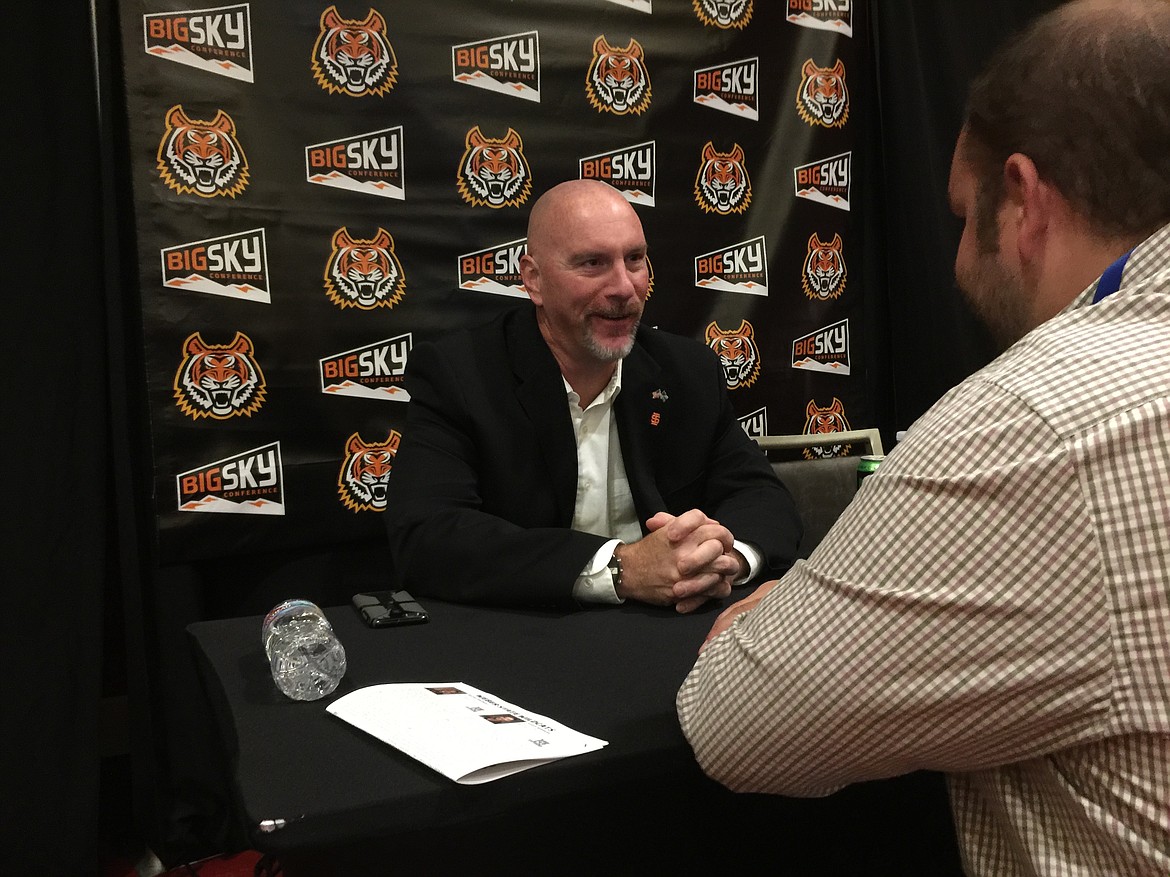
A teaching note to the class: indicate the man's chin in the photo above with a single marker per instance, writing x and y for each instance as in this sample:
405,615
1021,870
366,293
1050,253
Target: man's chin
611,349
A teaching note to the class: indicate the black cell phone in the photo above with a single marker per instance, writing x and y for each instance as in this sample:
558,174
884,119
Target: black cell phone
388,608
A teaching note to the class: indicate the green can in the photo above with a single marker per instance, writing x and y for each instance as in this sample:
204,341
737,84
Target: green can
867,465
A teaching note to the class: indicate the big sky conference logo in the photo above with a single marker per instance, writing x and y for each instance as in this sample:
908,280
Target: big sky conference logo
508,65
370,163
741,267
249,483
201,157
756,423
354,56
234,265
631,171
831,15
215,40
826,181
495,269
375,371
825,350
731,87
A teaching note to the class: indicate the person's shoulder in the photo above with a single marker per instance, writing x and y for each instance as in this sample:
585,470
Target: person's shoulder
477,329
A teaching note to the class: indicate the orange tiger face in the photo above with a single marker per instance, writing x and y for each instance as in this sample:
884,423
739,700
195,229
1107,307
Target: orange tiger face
823,420
824,269
364,273
354,57
219,380
494,173
724,13
737,352
618,81
203,158
722,185
823,98
365,473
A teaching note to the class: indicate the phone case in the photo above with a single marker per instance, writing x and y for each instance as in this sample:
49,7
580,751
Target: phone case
388,608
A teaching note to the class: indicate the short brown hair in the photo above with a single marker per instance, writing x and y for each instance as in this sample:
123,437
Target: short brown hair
1084,92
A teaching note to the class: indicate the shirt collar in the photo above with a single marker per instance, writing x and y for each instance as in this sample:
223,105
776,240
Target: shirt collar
1144,259
606,396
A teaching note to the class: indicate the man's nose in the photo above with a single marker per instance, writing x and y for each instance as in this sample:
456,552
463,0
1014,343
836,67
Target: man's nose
625,282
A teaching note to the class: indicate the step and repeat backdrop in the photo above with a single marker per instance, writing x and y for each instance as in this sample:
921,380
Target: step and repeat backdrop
319,186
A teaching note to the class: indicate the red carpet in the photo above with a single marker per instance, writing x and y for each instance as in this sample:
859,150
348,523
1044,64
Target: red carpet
238,865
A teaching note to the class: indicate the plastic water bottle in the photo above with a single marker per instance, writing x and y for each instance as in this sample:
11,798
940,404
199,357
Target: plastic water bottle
306,657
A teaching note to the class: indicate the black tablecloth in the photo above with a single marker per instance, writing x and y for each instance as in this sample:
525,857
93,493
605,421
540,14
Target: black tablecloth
610,673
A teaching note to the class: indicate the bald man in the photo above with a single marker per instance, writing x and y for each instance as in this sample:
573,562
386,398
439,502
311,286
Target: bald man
564,455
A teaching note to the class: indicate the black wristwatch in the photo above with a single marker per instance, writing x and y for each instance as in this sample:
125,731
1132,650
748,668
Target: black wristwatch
615,569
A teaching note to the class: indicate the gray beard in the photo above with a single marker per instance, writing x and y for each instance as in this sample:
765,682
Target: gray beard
608,354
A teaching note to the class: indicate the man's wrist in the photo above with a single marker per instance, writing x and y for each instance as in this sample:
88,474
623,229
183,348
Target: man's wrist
615,568
753,561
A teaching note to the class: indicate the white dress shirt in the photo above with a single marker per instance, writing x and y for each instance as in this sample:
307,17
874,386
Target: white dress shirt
604,503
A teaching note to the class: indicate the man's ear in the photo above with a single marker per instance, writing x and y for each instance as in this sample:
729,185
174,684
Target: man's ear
530,277
1031,202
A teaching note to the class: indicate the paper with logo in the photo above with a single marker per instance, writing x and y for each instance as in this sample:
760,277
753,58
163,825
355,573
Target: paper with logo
465,734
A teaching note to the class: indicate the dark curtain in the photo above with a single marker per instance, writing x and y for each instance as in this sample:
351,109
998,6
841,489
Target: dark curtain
57,472
927,51
86,614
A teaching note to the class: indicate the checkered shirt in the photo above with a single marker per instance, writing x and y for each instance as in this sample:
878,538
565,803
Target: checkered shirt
994,604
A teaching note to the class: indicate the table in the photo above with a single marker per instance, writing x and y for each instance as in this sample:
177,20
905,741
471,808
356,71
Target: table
357,805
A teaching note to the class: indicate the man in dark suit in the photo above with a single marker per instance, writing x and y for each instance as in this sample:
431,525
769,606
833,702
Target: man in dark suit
564,455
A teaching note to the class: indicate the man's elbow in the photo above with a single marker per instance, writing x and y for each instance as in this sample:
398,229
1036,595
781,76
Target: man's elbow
772,779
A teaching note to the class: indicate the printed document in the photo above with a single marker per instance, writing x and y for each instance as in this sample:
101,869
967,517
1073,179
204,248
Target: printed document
465,734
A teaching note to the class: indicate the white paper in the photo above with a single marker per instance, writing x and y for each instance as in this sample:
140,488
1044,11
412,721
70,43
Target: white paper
465,734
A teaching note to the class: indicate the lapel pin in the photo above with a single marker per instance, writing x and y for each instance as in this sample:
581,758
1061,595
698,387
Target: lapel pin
660,395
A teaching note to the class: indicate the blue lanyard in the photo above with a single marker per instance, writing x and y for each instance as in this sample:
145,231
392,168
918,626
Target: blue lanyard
1111,279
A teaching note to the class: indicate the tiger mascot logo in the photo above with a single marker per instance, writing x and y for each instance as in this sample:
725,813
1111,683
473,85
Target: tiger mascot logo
822,98
617,81
365,472
724,14
202,158
722,184
219,380
494,173
824,272
822,420
364,273
354,57
738,353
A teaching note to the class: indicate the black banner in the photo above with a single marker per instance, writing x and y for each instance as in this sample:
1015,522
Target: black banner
319,187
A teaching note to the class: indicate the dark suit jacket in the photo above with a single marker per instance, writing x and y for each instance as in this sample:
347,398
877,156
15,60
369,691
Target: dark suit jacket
483,486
